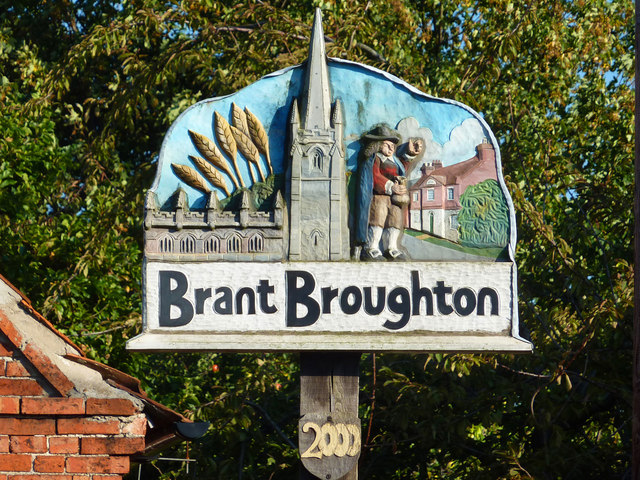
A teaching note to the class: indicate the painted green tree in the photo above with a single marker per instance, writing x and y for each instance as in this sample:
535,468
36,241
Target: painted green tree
484,216
88,90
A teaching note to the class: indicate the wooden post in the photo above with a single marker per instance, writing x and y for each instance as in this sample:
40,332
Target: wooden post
329,434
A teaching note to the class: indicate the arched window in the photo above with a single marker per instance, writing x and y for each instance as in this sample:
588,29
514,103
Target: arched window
165,244
256,243
234,243
212,245
188,244
316,237
317,158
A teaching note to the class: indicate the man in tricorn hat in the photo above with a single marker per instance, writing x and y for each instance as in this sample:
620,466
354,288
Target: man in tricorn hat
382,195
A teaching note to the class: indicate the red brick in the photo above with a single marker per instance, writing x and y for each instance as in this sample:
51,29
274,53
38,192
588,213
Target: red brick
112,445
5,350
9,405
110,406
27,426
52,406
97,465
28,444
20,386
16,369
49,463
15,463
9,330
4,444
137,426
3,364
41,477
88,426
48,369
64,445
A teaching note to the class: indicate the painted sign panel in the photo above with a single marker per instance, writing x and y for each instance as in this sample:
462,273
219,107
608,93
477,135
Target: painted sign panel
338,190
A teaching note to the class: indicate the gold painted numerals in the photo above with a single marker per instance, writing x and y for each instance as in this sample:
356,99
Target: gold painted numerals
337,439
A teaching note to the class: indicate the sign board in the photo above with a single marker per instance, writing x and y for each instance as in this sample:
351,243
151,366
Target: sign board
329,206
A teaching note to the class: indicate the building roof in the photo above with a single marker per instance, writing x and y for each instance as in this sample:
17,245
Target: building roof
66,370
448,175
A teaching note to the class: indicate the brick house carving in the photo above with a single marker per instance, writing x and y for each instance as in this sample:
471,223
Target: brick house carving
62,415
435,197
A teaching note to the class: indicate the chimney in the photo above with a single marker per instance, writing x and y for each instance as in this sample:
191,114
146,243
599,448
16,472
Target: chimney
486,152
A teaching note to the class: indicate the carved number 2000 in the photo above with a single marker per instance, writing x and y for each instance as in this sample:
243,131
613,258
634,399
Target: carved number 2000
339,440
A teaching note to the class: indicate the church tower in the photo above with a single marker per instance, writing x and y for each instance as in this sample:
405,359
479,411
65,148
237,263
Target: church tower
317,182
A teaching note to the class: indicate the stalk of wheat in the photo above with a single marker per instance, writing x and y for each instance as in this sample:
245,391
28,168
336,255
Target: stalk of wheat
209,150
210,173
259,136
248,149
190,177
239,119
227,142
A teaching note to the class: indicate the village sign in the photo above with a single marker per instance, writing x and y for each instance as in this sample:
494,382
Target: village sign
329,206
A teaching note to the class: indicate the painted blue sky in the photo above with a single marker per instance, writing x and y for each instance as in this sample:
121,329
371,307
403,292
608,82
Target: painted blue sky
369,97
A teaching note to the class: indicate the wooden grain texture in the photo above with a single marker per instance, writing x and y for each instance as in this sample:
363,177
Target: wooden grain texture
329,391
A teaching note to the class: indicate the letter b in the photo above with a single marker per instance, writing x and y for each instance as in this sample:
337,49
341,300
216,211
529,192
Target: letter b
301,295
169,297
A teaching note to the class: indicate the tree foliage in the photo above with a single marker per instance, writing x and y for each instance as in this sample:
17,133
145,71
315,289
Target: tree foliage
88,90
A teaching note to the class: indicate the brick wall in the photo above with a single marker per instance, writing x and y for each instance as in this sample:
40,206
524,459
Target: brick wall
47,435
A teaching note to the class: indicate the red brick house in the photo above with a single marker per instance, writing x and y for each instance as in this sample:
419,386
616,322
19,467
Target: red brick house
435,197
62,415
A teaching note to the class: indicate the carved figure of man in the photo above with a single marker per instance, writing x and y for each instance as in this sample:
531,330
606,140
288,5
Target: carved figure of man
382,197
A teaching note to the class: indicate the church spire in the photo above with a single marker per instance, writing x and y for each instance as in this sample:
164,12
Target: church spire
316,95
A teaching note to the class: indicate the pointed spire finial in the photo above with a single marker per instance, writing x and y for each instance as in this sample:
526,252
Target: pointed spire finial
316,96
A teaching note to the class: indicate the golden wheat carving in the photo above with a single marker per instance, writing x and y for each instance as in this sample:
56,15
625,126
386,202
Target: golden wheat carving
190,177
227,142
248,149
209,151
210,173
259,136
239,119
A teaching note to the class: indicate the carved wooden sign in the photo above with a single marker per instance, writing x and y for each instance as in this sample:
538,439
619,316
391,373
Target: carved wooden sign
329,206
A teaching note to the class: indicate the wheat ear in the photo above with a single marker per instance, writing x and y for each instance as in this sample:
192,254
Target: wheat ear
248,149
190,177
227,142
210,173
209,150
239,119
259,136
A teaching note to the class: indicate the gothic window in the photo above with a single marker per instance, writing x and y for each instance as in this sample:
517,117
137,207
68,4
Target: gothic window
212,245
316,237
316,158
256,243
165,244
188,244
234,243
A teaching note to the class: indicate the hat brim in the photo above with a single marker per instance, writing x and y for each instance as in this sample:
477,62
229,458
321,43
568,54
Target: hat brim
382,138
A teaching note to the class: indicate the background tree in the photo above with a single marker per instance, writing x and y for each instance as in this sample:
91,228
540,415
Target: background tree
88,90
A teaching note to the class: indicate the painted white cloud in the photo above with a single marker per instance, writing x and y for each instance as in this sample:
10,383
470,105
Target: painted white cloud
462,142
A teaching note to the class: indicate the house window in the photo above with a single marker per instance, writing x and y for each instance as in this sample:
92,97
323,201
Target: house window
256,243
430,193
454,222
234,244
166,244
188,244
212,245
415,196
450,193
